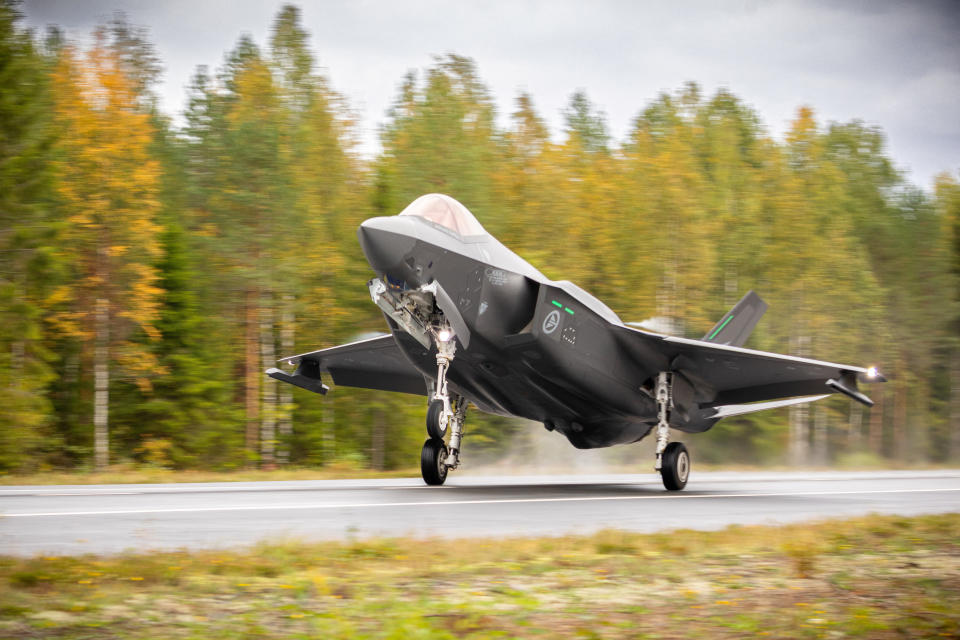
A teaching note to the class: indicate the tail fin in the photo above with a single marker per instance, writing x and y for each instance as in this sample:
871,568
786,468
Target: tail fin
736,326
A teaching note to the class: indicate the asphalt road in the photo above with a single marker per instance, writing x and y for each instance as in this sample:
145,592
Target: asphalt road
112,518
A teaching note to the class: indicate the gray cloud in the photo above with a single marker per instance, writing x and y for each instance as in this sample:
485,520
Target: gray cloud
893,64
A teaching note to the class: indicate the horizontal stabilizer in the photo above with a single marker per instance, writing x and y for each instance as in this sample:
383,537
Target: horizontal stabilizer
736,326
728,410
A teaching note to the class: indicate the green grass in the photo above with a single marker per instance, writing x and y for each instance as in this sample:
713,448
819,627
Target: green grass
871,577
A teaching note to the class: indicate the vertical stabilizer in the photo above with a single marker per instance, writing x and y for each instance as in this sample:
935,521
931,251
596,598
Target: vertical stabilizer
736,326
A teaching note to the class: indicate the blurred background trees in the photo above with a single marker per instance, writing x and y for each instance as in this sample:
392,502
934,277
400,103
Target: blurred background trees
150,272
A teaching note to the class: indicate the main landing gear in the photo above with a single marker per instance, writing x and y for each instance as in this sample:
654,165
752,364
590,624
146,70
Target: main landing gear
673,461
447,412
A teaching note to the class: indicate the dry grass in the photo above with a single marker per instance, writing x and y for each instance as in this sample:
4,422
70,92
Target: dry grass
121,474
872,577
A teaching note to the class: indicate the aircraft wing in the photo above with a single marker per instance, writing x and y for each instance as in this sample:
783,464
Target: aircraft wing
724,375
374,363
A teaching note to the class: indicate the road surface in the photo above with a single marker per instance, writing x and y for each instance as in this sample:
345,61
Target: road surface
112,518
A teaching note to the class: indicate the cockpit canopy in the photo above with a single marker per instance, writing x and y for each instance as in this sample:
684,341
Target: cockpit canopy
446,212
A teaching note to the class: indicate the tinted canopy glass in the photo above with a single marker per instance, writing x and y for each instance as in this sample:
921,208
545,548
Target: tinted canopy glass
446,212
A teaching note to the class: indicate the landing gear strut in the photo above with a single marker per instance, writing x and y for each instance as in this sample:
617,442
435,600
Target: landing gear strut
673,461
447,411
441,410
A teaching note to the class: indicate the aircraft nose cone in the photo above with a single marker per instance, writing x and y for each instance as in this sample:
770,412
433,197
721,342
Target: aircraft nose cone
386,246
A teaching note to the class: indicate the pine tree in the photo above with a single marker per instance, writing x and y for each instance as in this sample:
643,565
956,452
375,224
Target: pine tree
441,137
948,206
668,190
527,193
185,420
27,266
319,219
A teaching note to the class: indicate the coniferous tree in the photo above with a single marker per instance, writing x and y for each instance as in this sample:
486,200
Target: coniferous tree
948,205
441,137
27,237
186,419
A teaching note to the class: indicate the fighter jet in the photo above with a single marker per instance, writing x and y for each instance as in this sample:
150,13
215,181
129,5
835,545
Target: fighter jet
473,323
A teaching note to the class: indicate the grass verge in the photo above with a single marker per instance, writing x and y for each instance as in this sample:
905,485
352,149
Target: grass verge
870,577
121,474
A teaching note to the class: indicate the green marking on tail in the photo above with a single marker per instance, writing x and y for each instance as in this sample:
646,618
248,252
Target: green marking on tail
714,334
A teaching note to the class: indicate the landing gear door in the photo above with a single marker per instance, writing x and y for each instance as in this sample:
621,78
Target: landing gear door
451,312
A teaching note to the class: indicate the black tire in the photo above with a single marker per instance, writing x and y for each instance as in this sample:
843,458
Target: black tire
432,455
434,412
675,468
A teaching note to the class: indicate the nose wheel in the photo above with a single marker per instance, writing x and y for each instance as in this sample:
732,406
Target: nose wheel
433,465
437,420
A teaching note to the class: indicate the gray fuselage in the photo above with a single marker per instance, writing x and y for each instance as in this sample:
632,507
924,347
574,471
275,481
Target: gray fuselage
538,349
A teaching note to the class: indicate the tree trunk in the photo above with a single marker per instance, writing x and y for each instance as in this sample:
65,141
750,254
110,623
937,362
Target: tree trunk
799,446
285,421
252,390
900,418
18,354
819,435
268,410
101,384
730,287
855,426
876,424
954,426
377,440
18,348
668,296
329,432
799,435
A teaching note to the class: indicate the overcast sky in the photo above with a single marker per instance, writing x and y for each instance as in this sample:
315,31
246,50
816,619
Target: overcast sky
893,64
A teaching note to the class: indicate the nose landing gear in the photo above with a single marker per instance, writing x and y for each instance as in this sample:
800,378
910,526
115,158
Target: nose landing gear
447,411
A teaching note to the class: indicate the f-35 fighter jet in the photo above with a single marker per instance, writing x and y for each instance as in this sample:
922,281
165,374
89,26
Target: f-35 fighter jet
471,322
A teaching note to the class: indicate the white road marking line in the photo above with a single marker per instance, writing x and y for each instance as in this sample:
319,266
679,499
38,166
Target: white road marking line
431,503
32,492
82,493
174,490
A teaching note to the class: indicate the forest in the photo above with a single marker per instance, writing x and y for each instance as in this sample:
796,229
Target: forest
152,267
